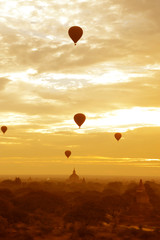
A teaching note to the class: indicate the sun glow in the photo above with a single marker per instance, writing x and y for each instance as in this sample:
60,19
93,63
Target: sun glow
115,76
125,119
63,20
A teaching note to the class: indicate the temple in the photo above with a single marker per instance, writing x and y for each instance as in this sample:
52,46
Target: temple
142,198
74,178
141,195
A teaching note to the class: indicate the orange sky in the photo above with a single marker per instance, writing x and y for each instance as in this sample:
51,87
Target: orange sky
112,76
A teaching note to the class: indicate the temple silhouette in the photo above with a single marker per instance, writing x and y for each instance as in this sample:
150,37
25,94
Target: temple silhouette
74,178
141,195
142,198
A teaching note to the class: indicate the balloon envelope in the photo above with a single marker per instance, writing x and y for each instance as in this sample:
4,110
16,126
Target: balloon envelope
79,118
3,129
68,153
118,136
75,33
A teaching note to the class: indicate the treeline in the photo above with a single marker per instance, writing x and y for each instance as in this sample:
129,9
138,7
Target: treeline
36,209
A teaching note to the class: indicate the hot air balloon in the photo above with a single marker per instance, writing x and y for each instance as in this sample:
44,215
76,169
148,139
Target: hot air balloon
118,136
79,118
75,33
3,129
67,153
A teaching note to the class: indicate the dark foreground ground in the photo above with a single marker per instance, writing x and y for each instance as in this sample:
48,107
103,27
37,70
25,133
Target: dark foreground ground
72,211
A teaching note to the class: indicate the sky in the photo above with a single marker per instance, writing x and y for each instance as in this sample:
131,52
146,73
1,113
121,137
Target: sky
112,76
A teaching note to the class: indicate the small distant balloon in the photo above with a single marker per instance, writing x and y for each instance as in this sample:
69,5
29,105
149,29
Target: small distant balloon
79,118
3,129
68,153
118,136
75,33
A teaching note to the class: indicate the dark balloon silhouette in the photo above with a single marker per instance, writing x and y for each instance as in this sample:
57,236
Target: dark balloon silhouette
75,33
79,118
3,129
118,136
68,153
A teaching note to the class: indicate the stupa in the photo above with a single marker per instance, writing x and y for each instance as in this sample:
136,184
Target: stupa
74,178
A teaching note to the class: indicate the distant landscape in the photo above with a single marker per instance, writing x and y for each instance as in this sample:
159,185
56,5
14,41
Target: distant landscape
35,208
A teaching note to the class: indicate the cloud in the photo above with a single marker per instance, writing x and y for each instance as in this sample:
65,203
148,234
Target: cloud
3,83
26,98
129,148
45,79
128,38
